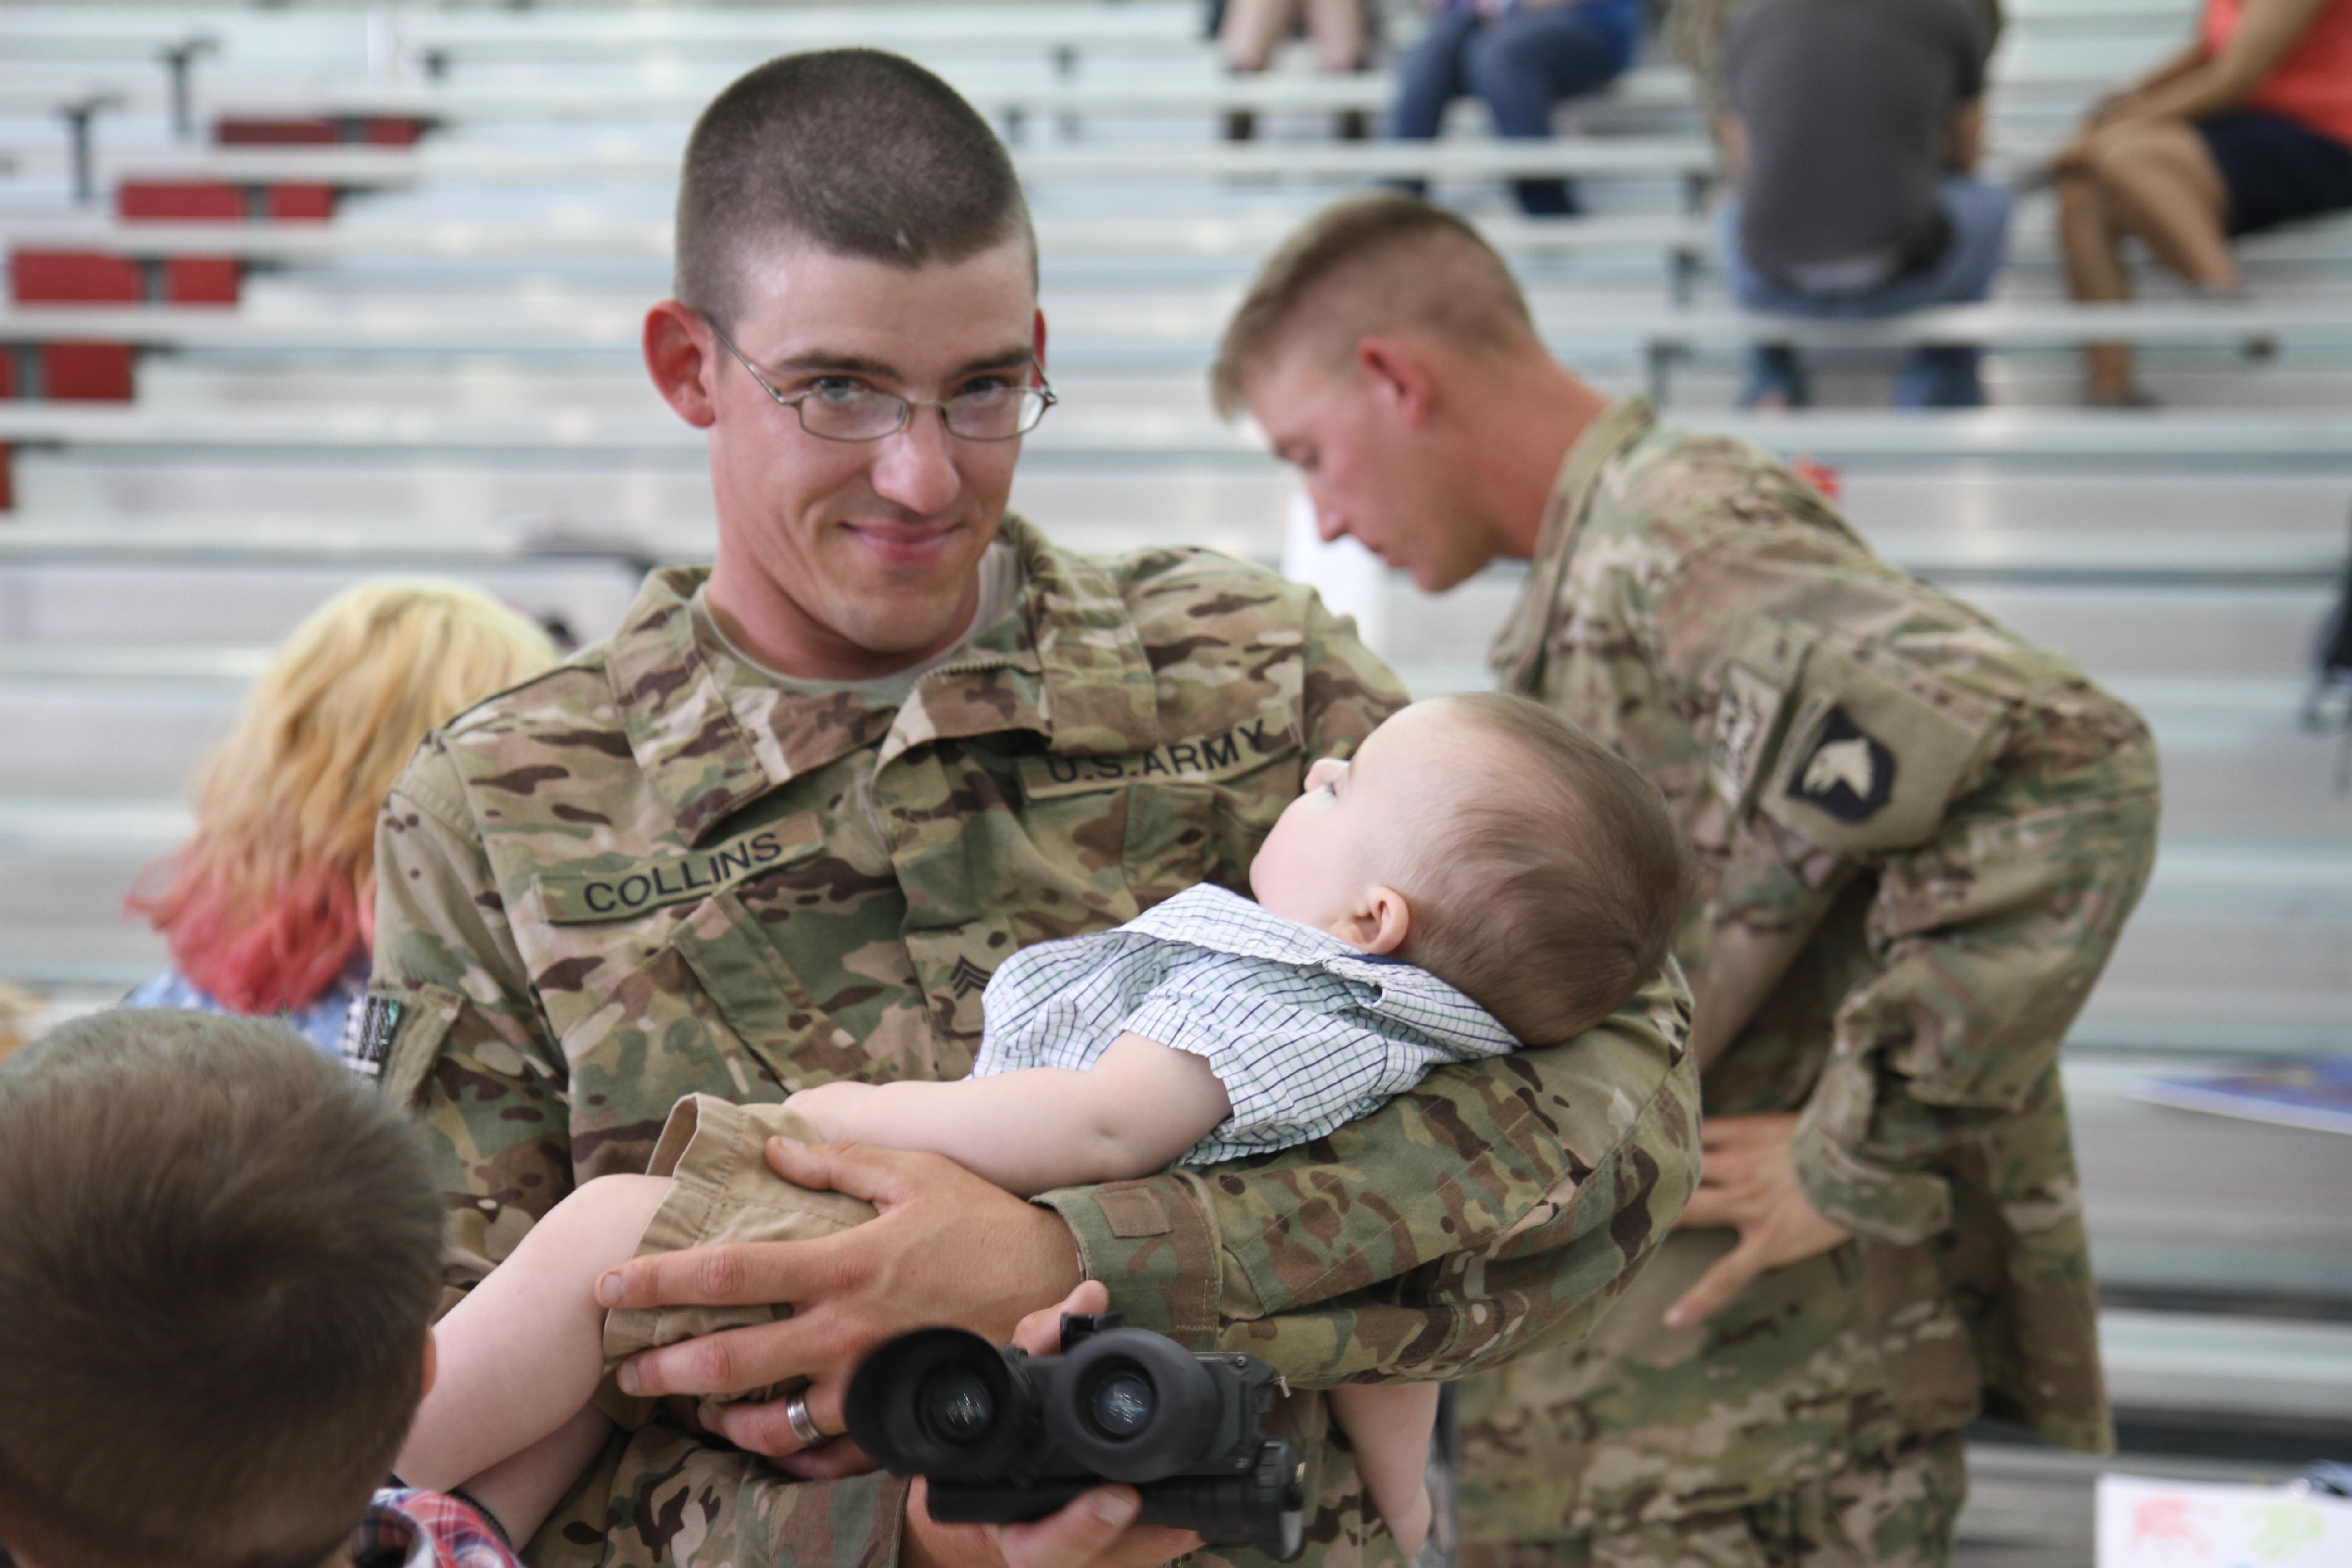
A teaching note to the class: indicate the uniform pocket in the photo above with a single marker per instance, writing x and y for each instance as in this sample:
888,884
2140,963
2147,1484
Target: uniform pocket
766,1008
1194,810
1179,835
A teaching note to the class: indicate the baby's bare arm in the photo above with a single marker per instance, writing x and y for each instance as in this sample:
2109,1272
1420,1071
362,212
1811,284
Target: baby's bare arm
1130,1114
508,1415
1389,1426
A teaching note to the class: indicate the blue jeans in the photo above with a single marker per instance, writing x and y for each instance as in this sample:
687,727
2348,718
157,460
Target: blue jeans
1933,376
1519,65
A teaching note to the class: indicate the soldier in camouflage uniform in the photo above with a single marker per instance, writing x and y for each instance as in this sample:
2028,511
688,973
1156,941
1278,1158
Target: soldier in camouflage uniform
1919,838
669,866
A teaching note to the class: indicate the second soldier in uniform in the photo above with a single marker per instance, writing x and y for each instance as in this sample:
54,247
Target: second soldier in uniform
1919,838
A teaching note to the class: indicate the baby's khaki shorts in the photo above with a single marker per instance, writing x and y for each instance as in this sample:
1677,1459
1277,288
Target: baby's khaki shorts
721,1190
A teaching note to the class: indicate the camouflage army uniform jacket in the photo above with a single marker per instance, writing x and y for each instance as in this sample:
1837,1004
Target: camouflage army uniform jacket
648,873
1949,827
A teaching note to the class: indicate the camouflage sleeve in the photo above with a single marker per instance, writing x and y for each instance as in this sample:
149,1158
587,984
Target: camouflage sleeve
1994,931
467,1046
1494,1210
471,1050
2000,807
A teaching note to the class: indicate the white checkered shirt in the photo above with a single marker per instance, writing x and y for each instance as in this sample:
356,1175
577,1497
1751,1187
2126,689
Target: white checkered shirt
1304,1031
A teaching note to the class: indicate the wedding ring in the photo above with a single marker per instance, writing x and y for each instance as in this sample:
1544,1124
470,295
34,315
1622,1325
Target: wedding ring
803,1426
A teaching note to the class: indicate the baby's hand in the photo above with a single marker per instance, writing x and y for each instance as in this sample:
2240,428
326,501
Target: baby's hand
831,1109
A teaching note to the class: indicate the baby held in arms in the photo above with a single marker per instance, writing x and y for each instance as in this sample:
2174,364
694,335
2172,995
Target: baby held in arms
1481,875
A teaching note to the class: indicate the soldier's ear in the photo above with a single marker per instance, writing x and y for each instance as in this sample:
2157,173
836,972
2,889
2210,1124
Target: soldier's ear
681,356
1401,378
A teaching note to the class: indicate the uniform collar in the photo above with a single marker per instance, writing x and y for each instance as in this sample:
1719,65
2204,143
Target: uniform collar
1072,668
711,738
1102,693
1517,656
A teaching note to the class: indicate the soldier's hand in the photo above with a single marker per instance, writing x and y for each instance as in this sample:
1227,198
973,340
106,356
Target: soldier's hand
947,1248
1094,1531
1747,1182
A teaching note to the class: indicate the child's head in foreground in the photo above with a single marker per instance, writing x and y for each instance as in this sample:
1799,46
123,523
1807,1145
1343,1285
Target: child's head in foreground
1498,846
219,1256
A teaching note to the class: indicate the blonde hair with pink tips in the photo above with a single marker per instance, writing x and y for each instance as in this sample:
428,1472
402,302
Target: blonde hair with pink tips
271,899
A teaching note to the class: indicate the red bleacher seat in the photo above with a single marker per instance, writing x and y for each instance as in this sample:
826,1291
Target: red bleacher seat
92,277
320,131
201,201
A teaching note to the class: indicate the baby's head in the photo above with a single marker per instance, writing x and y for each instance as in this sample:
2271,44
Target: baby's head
1498,846
219,1255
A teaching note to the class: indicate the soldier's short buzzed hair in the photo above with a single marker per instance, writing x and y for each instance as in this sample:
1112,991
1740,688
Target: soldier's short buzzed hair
859,151
1552,900
1369,265
219,1256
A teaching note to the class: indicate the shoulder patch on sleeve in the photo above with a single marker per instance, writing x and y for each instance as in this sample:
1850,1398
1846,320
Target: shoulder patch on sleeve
390,1041
1749,709
368,1029
1875,752
1847,773
1745,717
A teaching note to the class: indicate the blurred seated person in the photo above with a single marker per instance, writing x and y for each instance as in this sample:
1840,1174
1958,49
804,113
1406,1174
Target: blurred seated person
1854,130
269,908
1249,31
2249,127
1695,31
1520,58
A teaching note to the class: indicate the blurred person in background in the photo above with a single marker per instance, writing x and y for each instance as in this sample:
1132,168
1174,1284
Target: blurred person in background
269,908
1853,130
1697,30
1520,58
2248,128
1249,31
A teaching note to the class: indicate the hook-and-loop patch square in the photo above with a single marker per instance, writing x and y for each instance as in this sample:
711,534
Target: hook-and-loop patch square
1877,751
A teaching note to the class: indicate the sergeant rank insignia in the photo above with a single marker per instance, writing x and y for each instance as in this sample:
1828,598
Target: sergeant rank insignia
1848,773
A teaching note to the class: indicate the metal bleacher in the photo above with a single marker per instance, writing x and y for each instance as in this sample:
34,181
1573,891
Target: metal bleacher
424,360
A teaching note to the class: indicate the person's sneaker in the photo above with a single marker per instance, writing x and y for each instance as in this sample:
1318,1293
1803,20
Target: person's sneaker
1776,379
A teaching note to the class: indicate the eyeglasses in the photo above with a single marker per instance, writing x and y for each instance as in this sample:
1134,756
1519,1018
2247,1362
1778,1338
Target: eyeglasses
848,410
